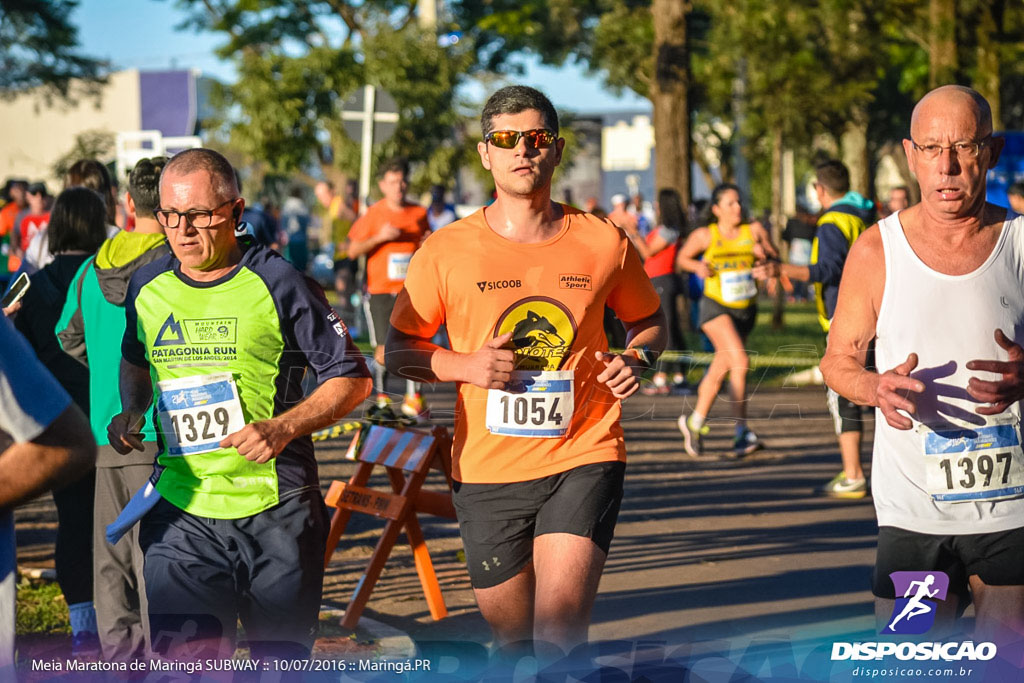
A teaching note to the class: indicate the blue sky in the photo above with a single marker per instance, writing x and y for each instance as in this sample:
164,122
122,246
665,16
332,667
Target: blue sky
141,34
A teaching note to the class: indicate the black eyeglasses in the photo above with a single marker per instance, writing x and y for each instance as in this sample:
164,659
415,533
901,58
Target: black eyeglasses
963,150
540,138
195,218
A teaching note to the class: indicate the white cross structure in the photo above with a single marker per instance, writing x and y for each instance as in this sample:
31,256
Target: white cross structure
367,117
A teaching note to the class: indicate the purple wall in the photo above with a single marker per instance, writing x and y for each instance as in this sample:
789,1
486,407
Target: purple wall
168,102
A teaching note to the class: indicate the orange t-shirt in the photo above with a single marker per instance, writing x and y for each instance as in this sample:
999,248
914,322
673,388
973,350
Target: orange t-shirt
551,295
7,216
386,265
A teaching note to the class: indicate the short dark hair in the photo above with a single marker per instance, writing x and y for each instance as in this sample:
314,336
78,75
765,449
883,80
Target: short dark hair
78,221
1017,189
144,185
37,188
396,165
95,176
513,99
205,159
833,175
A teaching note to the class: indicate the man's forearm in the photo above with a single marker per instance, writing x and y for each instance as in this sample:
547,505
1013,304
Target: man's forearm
60,455
358,248
331,401
847,376
651,332
801,273
423,361
136,388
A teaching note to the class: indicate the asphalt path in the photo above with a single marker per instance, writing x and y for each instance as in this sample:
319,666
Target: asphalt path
708,551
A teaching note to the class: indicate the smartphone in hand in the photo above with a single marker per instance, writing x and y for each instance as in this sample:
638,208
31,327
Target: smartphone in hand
16,291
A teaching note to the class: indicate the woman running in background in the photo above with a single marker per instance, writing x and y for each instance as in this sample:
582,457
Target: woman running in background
734,255
660,248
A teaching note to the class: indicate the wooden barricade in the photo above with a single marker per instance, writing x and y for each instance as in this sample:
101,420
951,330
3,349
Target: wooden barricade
407,455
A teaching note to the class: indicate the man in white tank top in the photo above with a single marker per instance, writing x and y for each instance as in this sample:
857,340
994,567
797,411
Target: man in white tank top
938,287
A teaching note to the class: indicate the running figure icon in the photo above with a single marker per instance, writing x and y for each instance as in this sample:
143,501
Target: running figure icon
916,606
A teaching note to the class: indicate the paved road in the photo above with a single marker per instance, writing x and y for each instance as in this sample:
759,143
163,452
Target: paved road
718,568
705,550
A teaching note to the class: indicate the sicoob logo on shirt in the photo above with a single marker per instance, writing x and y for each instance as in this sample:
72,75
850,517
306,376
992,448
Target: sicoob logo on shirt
487,286
543,331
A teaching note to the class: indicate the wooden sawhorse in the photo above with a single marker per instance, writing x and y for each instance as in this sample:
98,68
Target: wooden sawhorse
407,455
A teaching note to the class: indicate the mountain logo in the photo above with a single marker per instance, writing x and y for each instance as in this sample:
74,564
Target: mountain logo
170,333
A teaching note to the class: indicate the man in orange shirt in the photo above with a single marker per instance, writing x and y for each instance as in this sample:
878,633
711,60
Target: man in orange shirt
538,455
388,233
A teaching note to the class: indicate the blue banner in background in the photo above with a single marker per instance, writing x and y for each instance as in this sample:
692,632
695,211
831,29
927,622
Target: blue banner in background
1009,169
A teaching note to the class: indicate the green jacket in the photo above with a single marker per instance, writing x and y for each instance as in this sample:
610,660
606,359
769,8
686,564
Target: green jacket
91,328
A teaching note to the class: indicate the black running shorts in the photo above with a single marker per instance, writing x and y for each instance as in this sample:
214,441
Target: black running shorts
498,522
378,309
997,558
742,318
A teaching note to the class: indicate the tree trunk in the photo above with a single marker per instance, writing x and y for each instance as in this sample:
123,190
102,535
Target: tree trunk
854,144
669,97
990,27
942,57
778,220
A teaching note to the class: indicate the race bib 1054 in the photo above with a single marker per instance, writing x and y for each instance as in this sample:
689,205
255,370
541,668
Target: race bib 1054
537,404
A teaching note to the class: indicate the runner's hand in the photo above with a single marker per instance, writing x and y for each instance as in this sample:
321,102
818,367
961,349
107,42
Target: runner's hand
491,366
388,233
1002,392
764,270
12,309
125,432
258,442
620,376
893,393
704,271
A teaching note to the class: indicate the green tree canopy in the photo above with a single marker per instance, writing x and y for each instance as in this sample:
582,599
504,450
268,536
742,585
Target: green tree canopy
39,48
298,60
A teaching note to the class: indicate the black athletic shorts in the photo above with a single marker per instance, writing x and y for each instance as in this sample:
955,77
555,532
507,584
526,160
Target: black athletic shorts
203,574
847,416
742,318
378,316
997,558
498,522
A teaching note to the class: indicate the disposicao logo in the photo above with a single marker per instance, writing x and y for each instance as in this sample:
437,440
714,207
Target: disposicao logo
914,613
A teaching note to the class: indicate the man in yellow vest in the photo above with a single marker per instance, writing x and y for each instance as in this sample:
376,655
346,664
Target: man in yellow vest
845,215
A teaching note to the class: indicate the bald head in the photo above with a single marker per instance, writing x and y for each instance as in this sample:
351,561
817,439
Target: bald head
957,99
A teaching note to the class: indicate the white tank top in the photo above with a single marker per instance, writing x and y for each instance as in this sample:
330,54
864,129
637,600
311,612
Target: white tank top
947,320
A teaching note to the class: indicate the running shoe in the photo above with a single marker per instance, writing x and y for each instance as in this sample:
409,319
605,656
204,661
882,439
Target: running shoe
653,389
746,443
841,487
658,386
380,412
693,439
416,408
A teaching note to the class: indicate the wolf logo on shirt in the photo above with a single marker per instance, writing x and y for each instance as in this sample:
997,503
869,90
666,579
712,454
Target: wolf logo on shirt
535,330
543,331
